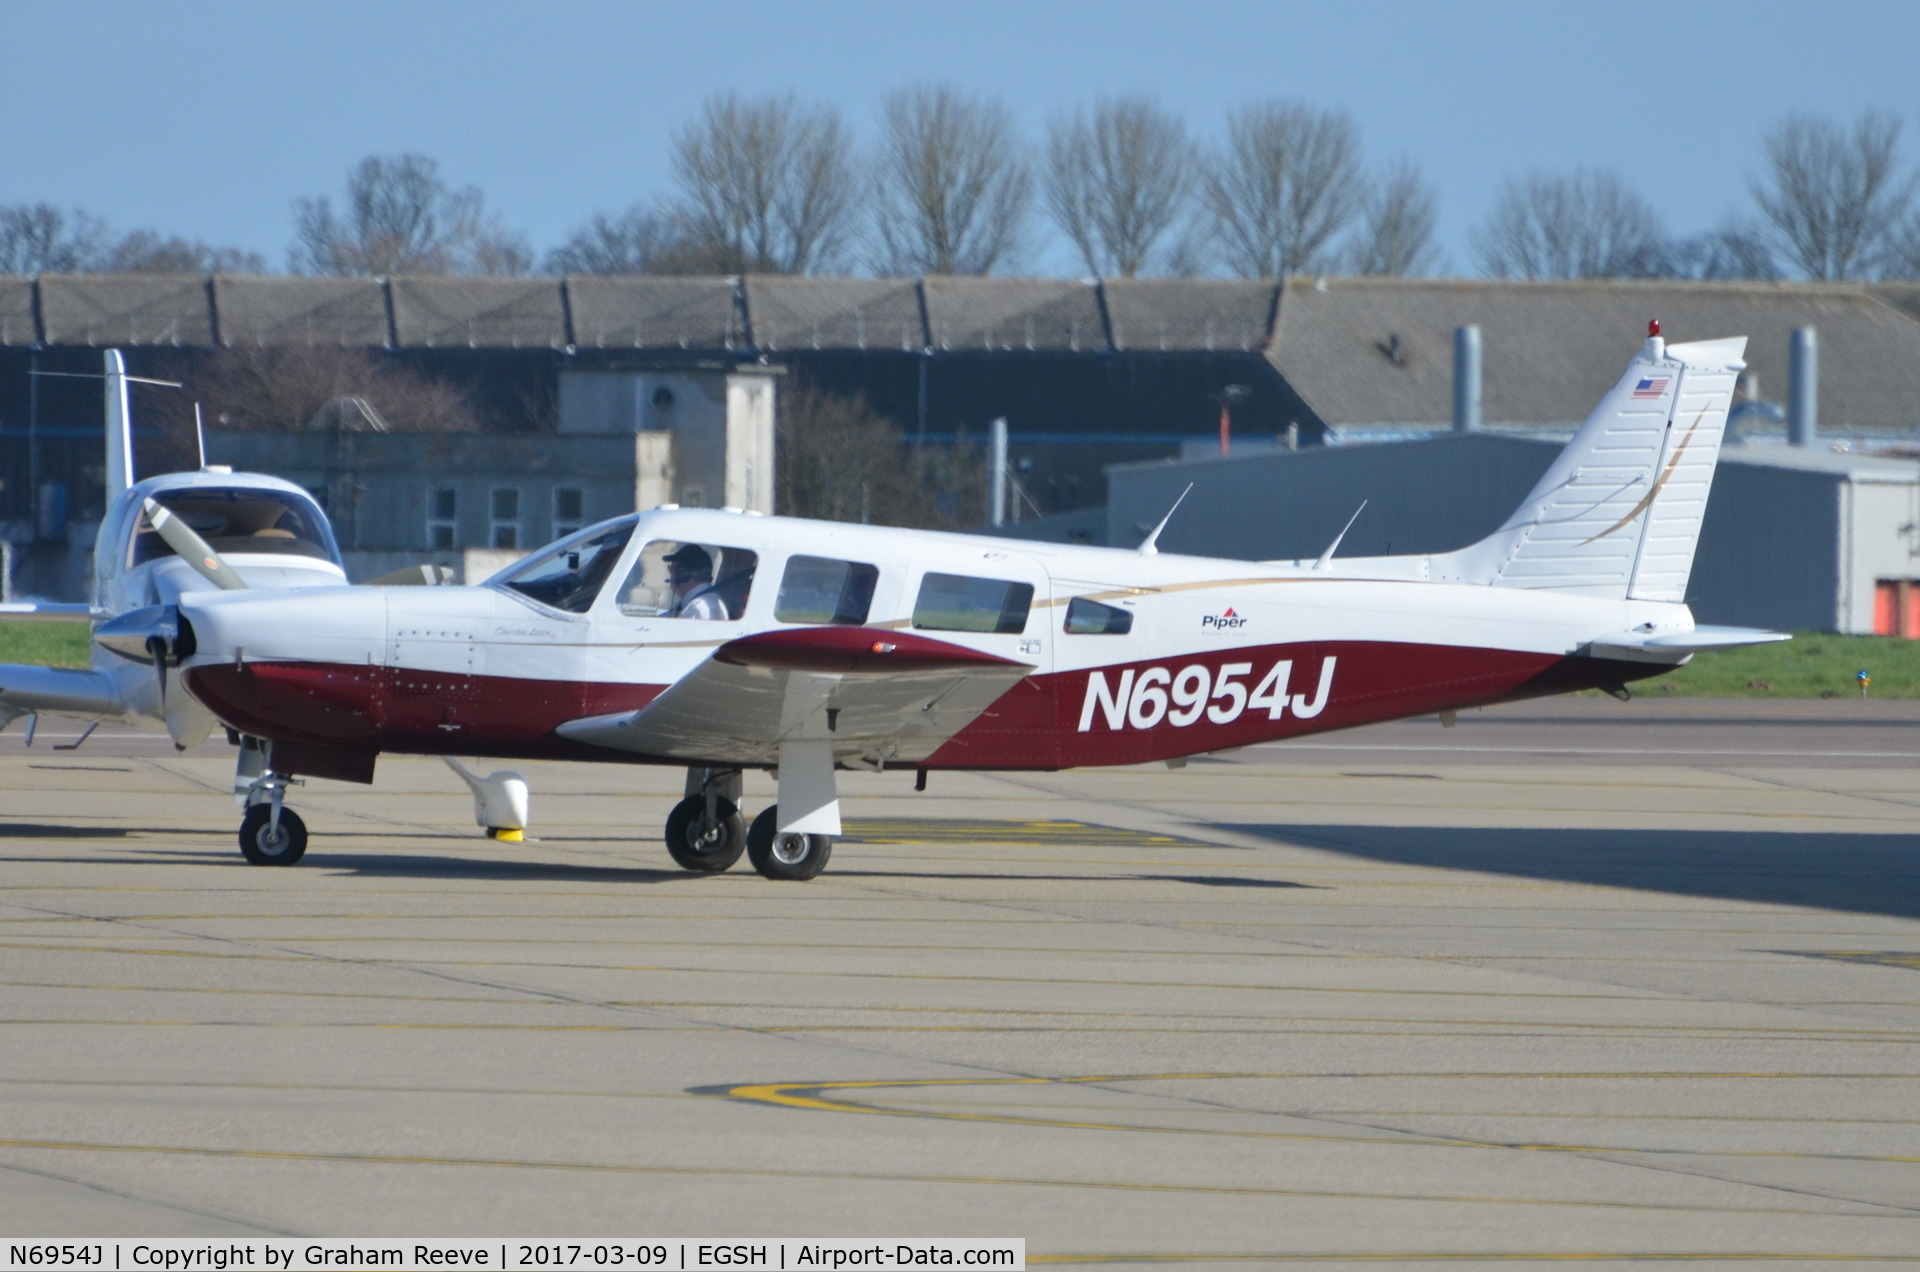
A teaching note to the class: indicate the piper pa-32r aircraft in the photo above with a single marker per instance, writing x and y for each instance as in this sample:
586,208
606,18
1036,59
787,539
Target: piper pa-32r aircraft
722,641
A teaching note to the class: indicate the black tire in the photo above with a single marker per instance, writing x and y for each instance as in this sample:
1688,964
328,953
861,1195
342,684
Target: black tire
780,856
259,845
706,849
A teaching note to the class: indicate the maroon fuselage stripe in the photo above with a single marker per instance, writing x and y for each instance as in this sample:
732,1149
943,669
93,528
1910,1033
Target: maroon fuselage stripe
1034,725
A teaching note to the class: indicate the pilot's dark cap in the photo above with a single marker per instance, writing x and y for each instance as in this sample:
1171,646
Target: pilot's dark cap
692,559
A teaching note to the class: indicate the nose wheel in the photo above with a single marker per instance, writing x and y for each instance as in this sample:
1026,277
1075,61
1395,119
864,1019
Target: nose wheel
271,834
781,854
267,843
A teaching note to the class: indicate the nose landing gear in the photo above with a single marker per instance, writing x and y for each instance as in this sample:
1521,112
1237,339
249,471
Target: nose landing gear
270,834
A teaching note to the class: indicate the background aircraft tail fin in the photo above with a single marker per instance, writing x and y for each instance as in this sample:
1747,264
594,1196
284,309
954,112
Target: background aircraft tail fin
119,429
1618,513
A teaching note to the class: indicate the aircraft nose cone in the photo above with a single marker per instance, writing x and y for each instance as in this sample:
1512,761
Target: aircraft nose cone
134,634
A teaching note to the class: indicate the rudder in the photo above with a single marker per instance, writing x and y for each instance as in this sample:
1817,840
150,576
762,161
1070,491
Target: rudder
1619,511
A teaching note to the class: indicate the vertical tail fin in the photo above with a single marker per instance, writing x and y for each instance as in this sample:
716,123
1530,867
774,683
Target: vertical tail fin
1619,512
119,429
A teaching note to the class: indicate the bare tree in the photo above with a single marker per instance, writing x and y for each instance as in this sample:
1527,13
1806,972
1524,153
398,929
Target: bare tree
1833,196
1588,225
1903,250
627,243
284,387
401,217
952,188
1737,250
767,184
1395,236
841,461
645,239
145,252
1285,184
38,238
1116,182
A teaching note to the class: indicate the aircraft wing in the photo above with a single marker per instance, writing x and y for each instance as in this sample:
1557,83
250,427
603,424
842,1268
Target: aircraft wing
45,611
60,691
880,697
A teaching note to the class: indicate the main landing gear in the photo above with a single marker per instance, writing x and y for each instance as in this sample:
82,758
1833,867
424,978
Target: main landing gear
706,833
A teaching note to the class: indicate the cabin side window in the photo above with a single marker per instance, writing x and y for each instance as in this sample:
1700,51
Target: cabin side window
962,603
822,590
1091,618
674,579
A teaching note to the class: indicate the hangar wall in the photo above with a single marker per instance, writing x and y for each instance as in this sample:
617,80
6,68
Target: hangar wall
1792,539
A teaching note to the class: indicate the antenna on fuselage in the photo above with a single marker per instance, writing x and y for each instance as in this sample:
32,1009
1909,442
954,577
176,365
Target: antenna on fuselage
1147,547
1326,558
200,436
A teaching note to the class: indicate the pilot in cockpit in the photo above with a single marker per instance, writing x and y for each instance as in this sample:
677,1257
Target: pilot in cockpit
690,574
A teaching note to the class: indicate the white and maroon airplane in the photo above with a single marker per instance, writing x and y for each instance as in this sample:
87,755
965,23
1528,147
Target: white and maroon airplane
722,641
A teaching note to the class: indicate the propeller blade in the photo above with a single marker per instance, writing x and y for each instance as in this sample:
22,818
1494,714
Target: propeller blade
192,549
157,649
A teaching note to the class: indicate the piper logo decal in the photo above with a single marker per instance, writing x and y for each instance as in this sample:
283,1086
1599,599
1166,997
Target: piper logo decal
1222,622
1142,699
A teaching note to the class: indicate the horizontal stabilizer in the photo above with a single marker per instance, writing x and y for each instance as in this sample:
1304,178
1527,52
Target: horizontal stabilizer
1675,647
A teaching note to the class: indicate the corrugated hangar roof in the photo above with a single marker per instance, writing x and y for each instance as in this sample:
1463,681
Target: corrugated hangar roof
277,311
1365,352
640,311
493,313
1189,314
835,313
997,314
125,309
17,326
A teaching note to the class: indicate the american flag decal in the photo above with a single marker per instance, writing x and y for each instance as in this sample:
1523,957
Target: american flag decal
1653,387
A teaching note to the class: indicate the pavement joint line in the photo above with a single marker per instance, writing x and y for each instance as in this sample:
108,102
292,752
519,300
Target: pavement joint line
807,1096
425,965
1292,1026
1869,1210
147,1200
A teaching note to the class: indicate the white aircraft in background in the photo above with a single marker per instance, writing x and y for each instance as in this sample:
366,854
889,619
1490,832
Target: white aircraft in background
722,641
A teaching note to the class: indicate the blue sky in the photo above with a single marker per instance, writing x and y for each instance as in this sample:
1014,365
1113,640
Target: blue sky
208,119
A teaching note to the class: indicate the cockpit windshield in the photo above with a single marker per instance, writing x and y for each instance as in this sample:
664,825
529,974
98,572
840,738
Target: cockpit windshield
569,575
239,520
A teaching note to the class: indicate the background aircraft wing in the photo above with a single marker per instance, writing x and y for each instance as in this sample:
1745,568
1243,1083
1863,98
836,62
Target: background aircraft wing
61,691
879,696
45,611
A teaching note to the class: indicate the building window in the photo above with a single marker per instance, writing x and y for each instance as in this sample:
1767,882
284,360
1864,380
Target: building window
443,511
505,518
569,510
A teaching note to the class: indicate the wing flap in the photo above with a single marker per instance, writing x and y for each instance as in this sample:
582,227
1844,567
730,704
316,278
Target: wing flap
878,697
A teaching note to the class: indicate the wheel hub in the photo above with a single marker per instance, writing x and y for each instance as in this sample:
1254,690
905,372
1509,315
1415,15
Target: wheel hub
790,849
